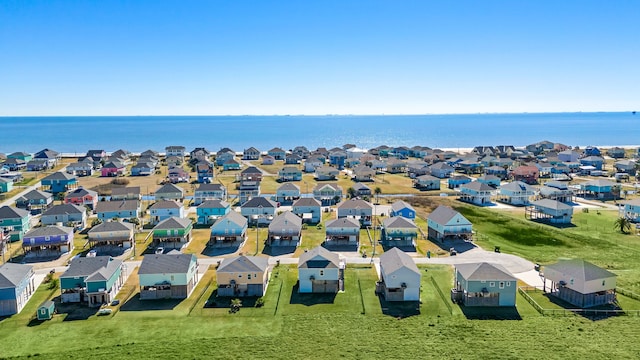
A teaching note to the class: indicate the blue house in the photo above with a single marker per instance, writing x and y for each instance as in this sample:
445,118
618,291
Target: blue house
204,171
231,165
59,182
309,209
16,287
224,156
592,151
168,276
595,161
229,230
337,158
601,189
401,208
445,223
484,284
455,181
210,210
342,232
399,232
165,209
6,185
490,180
35,201
287,193
277,153
120,209
95,280
14,223
632,210
48,240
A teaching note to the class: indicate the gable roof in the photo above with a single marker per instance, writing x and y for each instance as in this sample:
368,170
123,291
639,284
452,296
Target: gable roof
109,226
81,192
9,212
484,271
443,214
233,217
518,186
333,186
210,187
400,204
36,195
166,263
354,203
319,258
551,204
343,222
477,186
214,204
288,186
395,259
260,201
12,274
307,202
243,264
169,189
165,204
64,209
59,176
398,222
133,190
285,221
87,266
50,230
117,205
580,269
173,223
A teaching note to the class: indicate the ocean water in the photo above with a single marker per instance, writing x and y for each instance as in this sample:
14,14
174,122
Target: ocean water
139,133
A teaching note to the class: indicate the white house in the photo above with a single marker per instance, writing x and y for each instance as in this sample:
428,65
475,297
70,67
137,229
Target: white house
319,271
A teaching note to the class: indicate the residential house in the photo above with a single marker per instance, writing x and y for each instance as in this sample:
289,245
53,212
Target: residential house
324,173
426,182
68,214
337,158
402,208
526,173
175,150
358,209
456,181
199,154
206,192
490,180
113,168
126,193
83,197
516,193
342,232
301,151
285,230
580,283
167,276
292,159
596,161
287,193
243,276
51,240
631,210
59,182
497,171
557,190
14,164
445,223
169,192
178,175
398,231
251,173
173,233
259,210
80,168
396,166
173,162
268,160
277,153
210,210
320,271
6,185
415,169
227,160
441,170
120,209
549,210
95,280
312,163
568,156
229,230
362,190
251,154
14,223
484,151
143,168
20,155
39,165
16,287
165,209
35,201
328,194
289,173
52,157
112,233
399,277
204,172
592,151
247,190
309,209
484,284
476,192
626,166
600,189
363,173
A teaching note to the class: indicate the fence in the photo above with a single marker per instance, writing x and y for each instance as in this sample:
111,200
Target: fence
584,312
446,301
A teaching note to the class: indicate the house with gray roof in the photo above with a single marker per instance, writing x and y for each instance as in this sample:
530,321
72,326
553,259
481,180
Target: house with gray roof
16,287
328,194
325,173
51,240
206,192
516,193
580,283
552,211
285,230
82,197
169,192
112,233
484,284
309,209
167,276
164,209
362,190
94,280
399,277
243,276
119,209
251,154
14,223
68,214
287,193
398,231
172,233
59,182
402,208
356,208
476,192
35,201
229,230
342,232
126,193
80,168
426,182
259,210
320,271
446,223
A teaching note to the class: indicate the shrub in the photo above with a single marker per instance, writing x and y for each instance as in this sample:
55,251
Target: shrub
120,181
259,302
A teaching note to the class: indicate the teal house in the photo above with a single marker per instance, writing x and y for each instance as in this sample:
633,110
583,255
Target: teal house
94,280
20,155
445,223
168,276
398,231
231,229
46,310
173,233
59,182
14,223
210,210
484,284
6,185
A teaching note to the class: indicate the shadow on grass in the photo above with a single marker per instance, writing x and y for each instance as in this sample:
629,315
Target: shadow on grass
278,250
135,304
224,302
406,248
557,226
399,309
460,245
331,246
74,311
220,250
34,322
311,298
600,312
490,312
34,257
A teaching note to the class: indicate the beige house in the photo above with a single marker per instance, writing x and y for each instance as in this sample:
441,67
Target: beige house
243,276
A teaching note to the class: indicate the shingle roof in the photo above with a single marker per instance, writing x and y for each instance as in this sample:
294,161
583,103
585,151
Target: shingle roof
288,186
80,192
109,226
551,204
259,201
173,223
117,205
580,269
85,266
214,204
210,187
484,271
398,222
355,204
63,209
399,205
394,259
169,188
59,176
9,212
307,202
243,264
233,217
286,221
165,204
166,263
319,258
442,214
133,190
343,222
477,186
518,186
12,274
36,195
51,230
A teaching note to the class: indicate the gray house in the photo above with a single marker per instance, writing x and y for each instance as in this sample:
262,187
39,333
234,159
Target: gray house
484,284
285,230
399,277
580,283
67,214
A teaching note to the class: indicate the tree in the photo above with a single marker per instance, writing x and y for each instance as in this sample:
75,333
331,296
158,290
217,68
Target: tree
622,224
351,192
377,191
236,304
95,222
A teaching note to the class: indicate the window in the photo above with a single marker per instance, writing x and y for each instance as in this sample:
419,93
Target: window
239,275
483,281
47,238
492,284
248,276
321,272
501,285
508,283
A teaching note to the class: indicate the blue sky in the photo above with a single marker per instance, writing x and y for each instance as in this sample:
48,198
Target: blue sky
317,57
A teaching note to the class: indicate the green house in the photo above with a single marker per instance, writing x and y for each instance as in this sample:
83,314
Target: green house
173,233
46,310
14,221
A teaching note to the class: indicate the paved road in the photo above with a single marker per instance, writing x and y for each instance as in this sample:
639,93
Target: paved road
12,200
